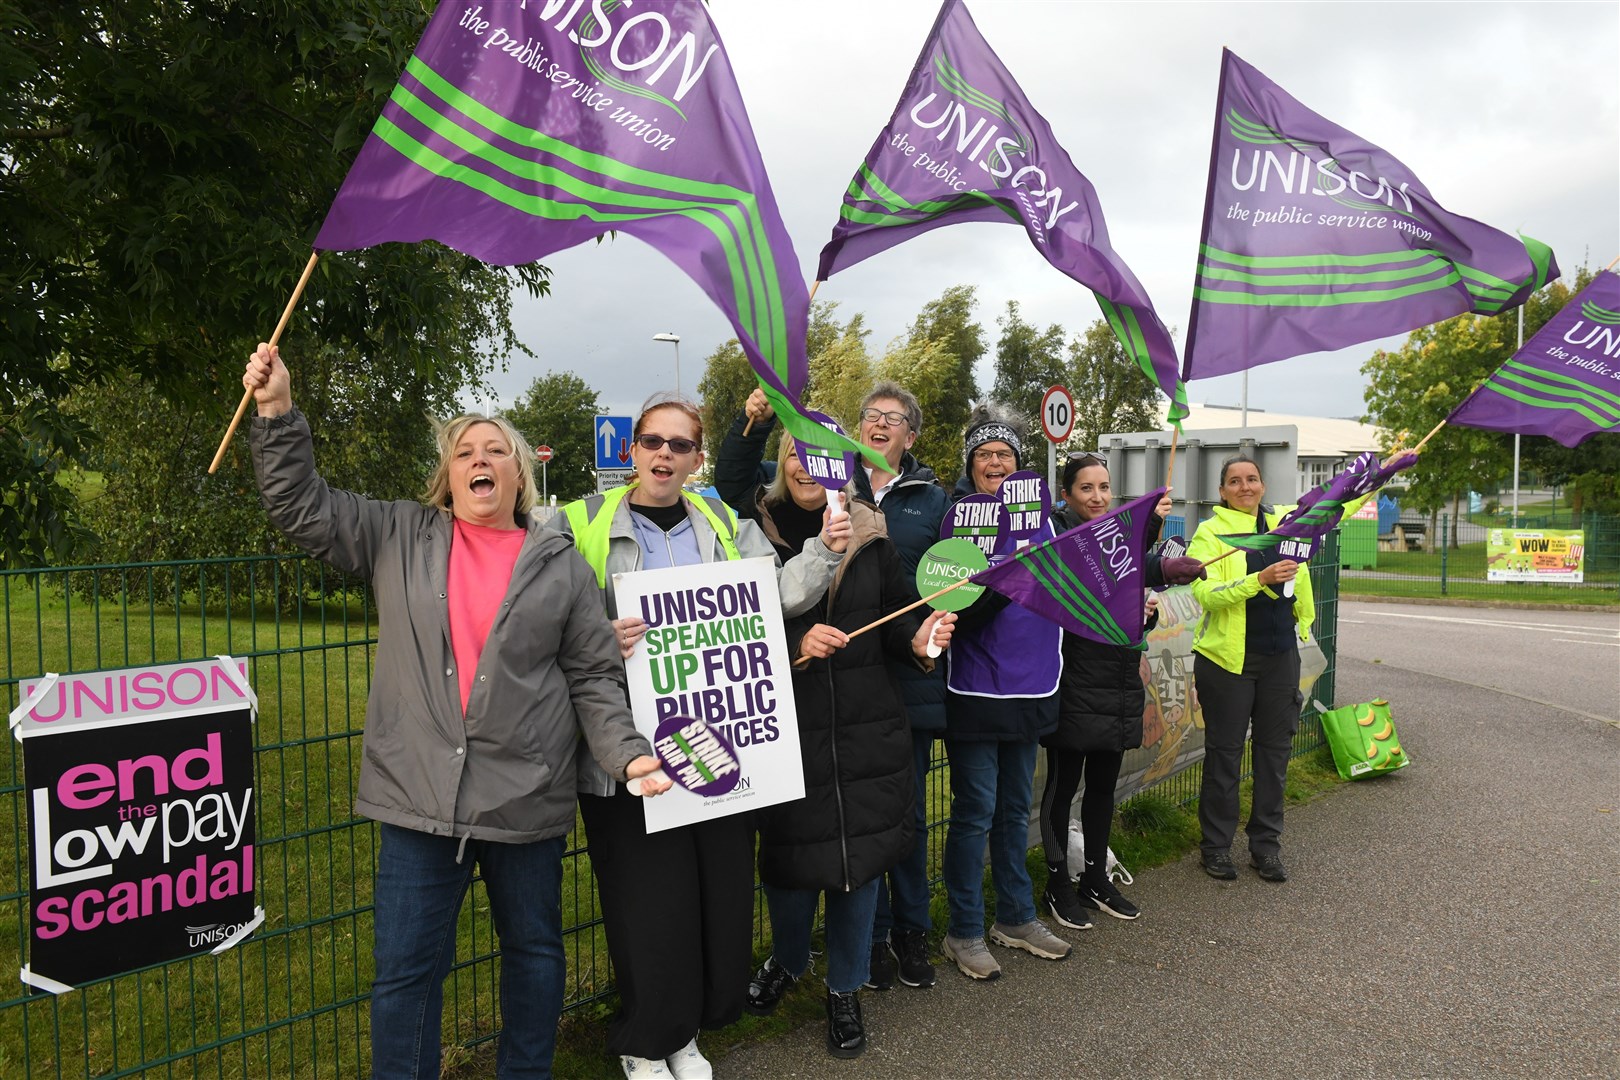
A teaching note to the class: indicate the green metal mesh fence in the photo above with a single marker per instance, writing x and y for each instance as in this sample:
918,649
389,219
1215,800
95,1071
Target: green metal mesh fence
292,999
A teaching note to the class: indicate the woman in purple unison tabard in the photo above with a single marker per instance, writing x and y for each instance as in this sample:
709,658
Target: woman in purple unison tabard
1001,681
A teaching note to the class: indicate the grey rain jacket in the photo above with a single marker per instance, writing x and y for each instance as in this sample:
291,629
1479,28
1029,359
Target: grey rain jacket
549,672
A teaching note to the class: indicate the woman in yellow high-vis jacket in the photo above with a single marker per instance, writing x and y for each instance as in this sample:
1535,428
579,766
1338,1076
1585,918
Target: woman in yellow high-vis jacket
1247,670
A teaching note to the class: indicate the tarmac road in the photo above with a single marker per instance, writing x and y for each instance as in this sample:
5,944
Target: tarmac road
1455,919
1565,658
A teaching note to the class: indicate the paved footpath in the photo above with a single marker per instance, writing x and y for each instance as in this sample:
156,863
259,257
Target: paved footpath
1456,919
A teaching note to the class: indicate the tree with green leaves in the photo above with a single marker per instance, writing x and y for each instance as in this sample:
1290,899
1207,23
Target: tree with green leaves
840,366
559,410
948,322
1028,362
728,379
163,169
930,371
1111,393
1415,387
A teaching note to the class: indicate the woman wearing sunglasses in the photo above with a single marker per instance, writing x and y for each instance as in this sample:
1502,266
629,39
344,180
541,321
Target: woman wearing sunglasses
699,878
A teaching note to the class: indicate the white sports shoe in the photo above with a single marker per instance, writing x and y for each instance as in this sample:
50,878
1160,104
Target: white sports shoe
643,1068
688,1063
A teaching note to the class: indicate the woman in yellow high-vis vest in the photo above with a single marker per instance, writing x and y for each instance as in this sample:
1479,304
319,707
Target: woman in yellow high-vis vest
673,984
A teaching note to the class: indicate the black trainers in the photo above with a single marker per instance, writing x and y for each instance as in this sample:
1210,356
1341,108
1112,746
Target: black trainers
766,988
881,968
1218,864
1269,867
1107,899
911,946
846,1033
1065,908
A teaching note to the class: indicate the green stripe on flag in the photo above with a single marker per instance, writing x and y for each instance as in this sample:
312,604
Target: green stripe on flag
1056,577
1214,273
1560,385
1219,296
756,256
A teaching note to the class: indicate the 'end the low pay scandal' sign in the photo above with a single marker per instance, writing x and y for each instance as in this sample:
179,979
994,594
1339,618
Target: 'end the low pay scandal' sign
715,651
140,817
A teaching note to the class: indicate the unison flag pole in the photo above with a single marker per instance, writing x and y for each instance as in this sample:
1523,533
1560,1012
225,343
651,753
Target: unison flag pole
1170,469
247,395
814,285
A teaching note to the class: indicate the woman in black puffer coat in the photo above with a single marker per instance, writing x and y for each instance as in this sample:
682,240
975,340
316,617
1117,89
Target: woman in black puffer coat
1100,703
855,820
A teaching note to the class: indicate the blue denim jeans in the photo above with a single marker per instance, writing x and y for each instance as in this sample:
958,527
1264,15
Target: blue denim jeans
849,932
903,893
992,790
418,895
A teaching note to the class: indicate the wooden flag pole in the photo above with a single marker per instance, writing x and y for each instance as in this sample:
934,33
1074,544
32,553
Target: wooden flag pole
803,660
1170,469
1432,433
814,285
1229,553
247,395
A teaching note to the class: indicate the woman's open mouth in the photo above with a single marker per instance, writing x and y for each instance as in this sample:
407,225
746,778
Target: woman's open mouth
482,485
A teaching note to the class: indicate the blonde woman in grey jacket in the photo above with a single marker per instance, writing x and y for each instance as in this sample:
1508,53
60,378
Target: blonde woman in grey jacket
494,659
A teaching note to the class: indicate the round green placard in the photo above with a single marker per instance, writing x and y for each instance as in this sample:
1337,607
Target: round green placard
946,563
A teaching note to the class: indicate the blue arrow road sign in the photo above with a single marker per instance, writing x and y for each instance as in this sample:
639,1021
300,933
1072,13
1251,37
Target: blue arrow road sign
613,442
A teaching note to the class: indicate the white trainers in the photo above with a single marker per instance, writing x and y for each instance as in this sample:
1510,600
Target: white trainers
688,1063
643,1068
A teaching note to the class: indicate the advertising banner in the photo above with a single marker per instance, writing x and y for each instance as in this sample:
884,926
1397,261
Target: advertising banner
1173,721
140,817
715,651
1535,555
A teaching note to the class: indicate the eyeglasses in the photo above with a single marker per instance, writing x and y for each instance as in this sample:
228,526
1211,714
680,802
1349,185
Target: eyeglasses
993,455
892,419
656,442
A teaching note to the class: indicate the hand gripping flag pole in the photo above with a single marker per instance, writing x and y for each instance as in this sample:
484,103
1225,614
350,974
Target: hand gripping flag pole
247,395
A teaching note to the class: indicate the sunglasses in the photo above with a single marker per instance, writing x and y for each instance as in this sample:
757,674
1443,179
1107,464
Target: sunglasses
657,442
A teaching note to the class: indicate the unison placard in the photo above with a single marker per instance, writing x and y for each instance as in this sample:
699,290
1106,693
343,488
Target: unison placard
140,817
715,651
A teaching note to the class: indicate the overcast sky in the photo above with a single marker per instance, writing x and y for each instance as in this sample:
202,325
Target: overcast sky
1508,112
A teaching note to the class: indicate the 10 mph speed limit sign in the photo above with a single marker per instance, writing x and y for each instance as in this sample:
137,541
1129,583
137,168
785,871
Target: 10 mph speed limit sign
1057,414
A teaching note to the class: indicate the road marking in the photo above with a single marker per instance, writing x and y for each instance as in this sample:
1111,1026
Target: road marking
1542,628
1609,720
1583,641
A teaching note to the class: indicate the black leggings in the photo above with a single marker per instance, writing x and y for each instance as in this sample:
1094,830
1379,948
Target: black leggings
1065,769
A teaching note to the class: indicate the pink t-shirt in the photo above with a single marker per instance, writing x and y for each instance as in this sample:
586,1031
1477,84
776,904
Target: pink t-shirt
481,561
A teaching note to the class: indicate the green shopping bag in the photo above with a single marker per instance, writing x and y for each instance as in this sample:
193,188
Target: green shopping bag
1363,740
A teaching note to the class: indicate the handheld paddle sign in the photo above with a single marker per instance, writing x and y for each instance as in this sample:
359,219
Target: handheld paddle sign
944,565
1028,500
831,469
981,520
695,756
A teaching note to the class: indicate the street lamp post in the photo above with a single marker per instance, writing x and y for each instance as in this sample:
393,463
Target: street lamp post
675,340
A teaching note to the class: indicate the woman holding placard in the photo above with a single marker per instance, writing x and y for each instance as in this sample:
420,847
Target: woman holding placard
493,658
1001,682
855,821
677,905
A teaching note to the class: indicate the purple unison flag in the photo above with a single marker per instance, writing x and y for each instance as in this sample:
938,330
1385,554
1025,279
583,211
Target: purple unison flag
1565,381
1088,580
516,131
965,145
1322,507
1315,239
